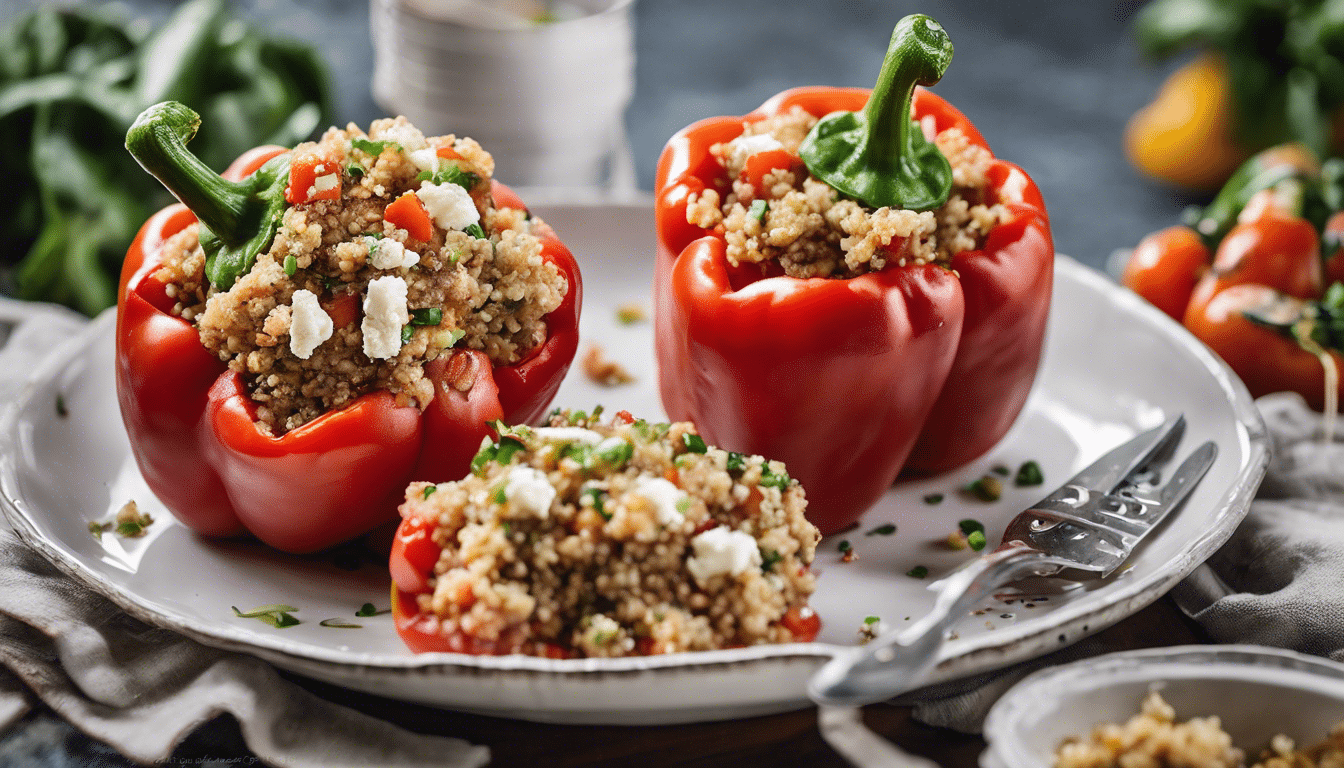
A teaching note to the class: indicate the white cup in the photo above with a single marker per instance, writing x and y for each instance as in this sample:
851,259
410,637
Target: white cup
547,99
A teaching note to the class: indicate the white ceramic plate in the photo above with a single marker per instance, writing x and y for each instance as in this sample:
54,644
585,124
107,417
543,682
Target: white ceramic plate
1113,366
1256,692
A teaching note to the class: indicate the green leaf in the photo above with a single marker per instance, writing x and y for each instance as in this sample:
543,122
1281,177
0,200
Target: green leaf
374,148
758,209
736,462
770,480
918,572
882,530
369,609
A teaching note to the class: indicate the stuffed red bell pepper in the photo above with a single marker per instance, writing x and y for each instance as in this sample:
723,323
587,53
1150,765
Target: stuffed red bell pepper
315,328
850,281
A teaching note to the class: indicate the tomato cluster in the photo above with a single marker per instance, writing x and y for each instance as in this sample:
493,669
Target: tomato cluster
1258,275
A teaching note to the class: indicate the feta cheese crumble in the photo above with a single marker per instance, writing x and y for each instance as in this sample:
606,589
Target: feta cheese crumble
426,159
720,551
529,490
449,205
664,496
744,147
387,253
326,183
568,435
384,315
309,324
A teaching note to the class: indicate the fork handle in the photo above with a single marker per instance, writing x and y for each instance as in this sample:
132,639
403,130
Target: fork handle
898,660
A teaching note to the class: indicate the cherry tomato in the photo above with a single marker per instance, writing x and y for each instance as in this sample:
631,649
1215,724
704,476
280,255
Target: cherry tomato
1165,267
1265,359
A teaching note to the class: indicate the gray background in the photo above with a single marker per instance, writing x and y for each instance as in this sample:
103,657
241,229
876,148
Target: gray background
1049,84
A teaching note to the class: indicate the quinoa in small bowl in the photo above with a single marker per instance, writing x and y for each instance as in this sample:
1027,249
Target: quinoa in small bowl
590,539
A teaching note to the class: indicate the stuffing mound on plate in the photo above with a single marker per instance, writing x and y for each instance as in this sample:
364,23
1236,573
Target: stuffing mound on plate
587,539
391,252
1154,738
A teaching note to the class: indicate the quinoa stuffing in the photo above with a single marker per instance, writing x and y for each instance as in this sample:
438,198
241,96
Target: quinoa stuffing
1154,738
345,302
788,217
627,538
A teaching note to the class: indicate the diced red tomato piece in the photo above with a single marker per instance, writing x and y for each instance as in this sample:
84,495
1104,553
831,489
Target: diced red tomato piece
303,176
762,163
408,213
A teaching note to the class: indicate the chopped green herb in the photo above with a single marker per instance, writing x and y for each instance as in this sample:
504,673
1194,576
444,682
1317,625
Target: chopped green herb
133,528
426,316
454,257
882,530
61,410
375,235
429,491
339,624
355,169
277,616
933,498
407,332
629,314
597,498
871,619
291,264
844,545
374,148
499,496
999,469
769,558
770,480
976,539
475,231
969,526
454,336
918,572
577,416
1030,473
98,529
580,453
508,446
987,488
617,454
684,505
758,209
736,462
369,609
693,442
450,175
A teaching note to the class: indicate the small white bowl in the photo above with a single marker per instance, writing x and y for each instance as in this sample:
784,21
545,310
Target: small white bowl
1258,692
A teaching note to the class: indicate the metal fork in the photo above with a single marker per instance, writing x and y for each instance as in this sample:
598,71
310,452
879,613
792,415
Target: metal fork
1087,527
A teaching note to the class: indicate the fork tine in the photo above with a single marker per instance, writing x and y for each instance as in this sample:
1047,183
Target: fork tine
1146,450
1184,479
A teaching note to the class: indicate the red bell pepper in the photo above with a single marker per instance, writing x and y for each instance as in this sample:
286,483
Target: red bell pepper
848,380
193,434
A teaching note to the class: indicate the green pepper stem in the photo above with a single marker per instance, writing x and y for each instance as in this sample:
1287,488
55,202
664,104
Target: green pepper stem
918,54
158,141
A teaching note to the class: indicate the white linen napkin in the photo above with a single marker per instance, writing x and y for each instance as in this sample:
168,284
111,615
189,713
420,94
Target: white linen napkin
141,689
1279,581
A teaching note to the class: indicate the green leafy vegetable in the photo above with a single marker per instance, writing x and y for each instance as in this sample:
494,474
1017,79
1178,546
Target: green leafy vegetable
918,572
73,80
427,316
882,530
